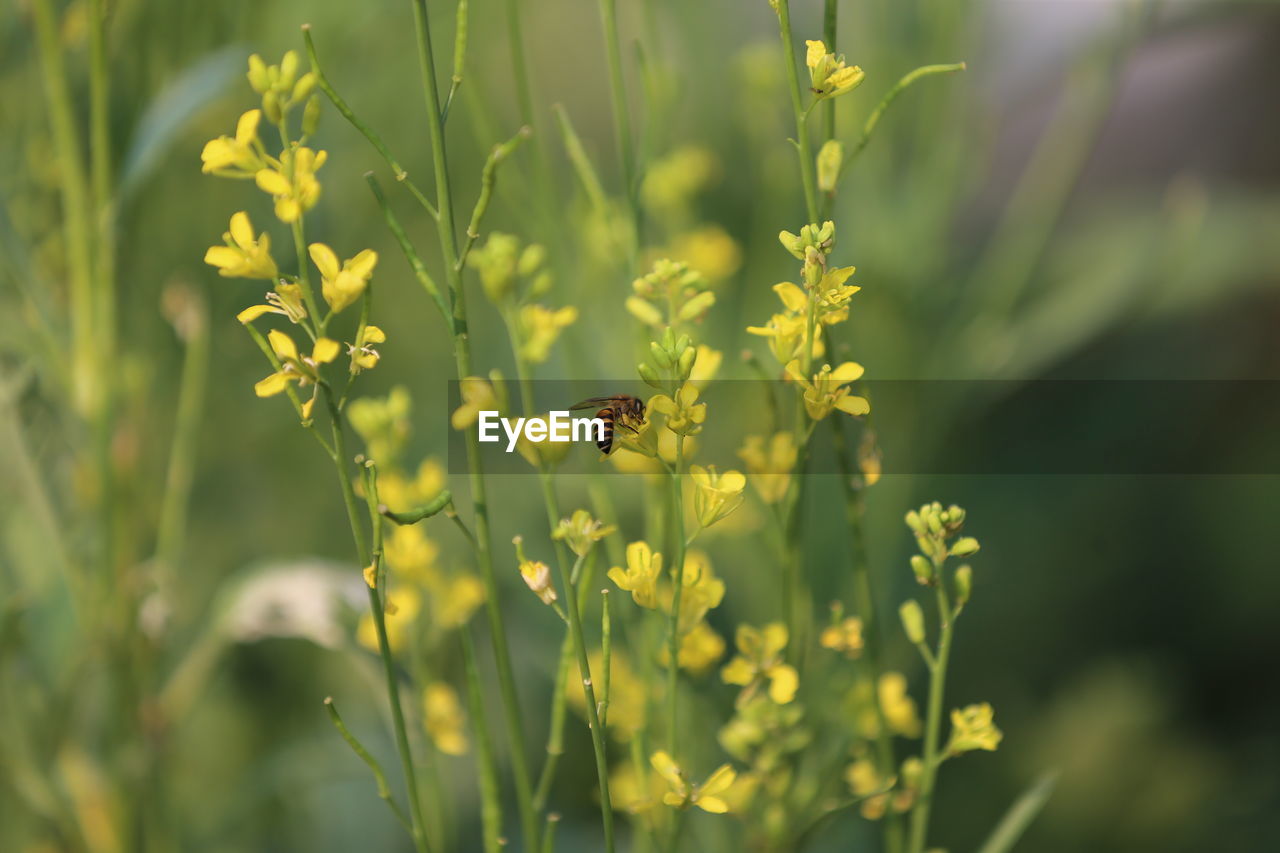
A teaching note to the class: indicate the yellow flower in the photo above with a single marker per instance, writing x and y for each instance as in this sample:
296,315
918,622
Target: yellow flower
701,648
828,75
769,466
759,660
705,366
684,415
362,352
410,554
864,782
444,719
243,256
898,707
671,182
640,577
286,299
238,157
787,335
293,184
383,425
845,637
826,391
683,794
580,531
710,250
455,598
716,495
973,727
477,396
537,576
401,609
342,285
702,591
539,329
295,367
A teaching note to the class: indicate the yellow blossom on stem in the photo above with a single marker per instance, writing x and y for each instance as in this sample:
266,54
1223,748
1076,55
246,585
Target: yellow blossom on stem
444,719
769,464
580,531
715,495
629,695
454,599
684,414
363,354
286,299
828,75
705,366
237,157
710,250
537,576
477,396
683,794
244,255
295,367
701,648
342,284
759,661
410,554
640,577
702,592
897,706
787,334
973,727
540,327
825,392
865,782
401,609
293,182
844,636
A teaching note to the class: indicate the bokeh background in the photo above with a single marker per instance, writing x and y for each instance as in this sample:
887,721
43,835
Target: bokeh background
1095,198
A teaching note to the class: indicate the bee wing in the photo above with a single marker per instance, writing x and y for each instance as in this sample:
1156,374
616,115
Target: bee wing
591,403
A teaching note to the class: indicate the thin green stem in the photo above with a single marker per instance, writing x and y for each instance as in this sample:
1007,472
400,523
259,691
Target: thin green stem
462,356
807,176
379,777
830,14
874,119
377,611
622,122
411,255
588,688
677,581
490,791
933,722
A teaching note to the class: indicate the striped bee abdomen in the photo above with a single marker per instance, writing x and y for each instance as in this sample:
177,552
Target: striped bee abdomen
605,441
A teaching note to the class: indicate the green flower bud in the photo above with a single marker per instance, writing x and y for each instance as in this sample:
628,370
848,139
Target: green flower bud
258,77
912,620
531,259
311,115
914,521
685,365
541,285
922,568
271,107
697,306
964,584
661,355
288,69
305,86
650,376
965,547
829,160
792,244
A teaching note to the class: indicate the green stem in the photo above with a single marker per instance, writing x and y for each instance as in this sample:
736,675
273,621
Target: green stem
622,121
874,119
379,618
933,722
593,715
807,176
830,13
490,792
462,356
379,777
677,580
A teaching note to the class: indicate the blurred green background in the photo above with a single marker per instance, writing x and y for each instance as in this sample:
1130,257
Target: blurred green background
1098,197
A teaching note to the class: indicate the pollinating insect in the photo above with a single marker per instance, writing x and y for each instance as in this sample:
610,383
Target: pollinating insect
621,409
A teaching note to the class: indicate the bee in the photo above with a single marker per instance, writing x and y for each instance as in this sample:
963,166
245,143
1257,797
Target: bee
621,409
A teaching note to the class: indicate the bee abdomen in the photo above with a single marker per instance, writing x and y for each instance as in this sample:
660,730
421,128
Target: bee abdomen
605,441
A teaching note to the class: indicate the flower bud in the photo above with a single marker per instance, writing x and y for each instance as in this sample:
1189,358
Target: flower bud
965,547
311,115
650,376
912,620
697,306
258,77
305,86
964,584
661,356
830,159
531,259
685,365
288,69
922,568
271,107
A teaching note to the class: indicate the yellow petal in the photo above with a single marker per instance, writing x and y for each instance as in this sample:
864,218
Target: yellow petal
223,257
272,182
247,126
288,209
363,263
325,351
791,295
671,798
853,405
374,335
272,385
738,671
241,230
667,768
774,637
732,481
699,475
814,55
719,780
324,259
783,681
715,805
283,345
847,372
307,407
253,312
793,370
